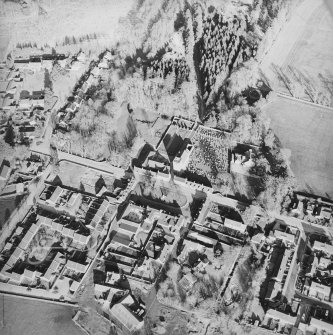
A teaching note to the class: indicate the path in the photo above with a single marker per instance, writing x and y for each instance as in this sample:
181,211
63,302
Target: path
324,108
43,149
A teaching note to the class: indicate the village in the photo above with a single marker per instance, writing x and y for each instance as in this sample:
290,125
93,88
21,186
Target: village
158,225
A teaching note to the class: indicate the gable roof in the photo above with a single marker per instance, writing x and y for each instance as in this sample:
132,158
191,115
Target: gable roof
124,316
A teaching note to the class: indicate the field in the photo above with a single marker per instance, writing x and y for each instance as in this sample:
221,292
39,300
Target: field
22,316
50,21
163,192
304,44
307,131
75,175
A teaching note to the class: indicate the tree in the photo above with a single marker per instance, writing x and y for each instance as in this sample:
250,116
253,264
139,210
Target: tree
10,135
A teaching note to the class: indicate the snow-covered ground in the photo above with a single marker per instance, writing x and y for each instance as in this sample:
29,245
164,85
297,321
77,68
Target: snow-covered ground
305,42
52,20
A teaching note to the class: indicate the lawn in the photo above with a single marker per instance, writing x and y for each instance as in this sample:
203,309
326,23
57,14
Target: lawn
75,175
169,194
32,317
41,245
304,42
307,131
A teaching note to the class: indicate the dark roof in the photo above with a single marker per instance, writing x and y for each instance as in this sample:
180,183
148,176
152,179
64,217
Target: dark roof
121,238
21,60
38,94
24,94
26,129
128,227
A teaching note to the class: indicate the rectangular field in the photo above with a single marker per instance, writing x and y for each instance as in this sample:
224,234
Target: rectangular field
306,130
304,44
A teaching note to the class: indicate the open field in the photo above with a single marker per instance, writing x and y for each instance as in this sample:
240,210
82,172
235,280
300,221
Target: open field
73,175
307,131
49,21
305,43
28,317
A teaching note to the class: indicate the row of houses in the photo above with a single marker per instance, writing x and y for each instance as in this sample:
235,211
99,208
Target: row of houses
146,232
93,76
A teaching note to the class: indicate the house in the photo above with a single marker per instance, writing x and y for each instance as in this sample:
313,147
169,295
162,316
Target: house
204,240
282,319
182,158
321,327
284,237
26,129
188,281
56,195
74,286
21,63
235,225
77,267
54,269
320,291
121,239
38,103
327,249
24,94
81,239
4,171
128,227
326,213
124,318
37,95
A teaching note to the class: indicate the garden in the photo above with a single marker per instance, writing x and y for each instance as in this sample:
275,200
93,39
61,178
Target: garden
41,246
211,155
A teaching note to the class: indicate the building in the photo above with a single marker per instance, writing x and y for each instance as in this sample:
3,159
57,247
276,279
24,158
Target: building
327,249
4,171
182,158
188,281
321,327
96,220
278,320
286,238
320,291
235,225
124,318
53,270
76,267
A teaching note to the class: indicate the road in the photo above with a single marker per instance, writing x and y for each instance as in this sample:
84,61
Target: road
44,149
